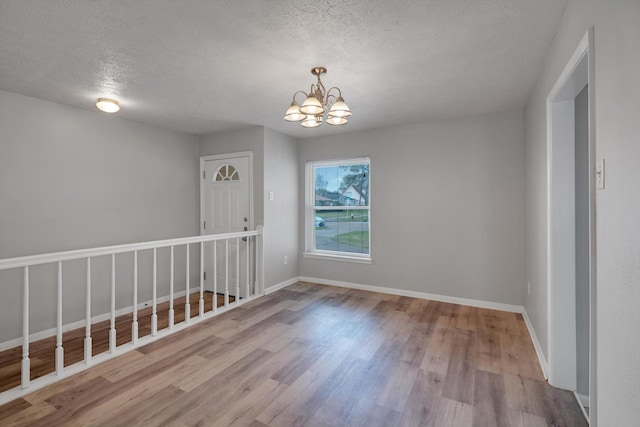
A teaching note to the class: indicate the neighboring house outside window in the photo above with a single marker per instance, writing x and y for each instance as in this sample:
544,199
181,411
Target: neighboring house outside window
352,197
337,213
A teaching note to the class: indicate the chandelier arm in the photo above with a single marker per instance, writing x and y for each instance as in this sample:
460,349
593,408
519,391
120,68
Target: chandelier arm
300,91
330,95
336,88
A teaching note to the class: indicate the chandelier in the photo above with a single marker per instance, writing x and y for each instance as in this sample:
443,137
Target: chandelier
318,102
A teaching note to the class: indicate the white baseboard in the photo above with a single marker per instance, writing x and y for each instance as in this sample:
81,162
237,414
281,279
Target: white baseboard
583,399
16,342
281,285
583,402
422,295
536,344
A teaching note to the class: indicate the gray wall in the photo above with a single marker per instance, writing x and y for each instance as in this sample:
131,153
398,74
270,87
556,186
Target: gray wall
447,200
72,179
617,127
617,138
281,213
582,239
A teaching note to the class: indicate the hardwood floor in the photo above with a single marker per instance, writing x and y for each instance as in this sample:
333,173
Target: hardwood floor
42,352
312,355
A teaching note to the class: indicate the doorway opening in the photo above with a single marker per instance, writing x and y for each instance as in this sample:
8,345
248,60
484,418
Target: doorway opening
571,228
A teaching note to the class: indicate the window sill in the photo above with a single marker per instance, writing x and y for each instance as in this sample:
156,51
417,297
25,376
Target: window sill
331,257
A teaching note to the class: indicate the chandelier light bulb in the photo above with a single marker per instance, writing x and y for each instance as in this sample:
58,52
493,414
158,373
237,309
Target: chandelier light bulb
337,121
312,121
311,105
339,109
293,114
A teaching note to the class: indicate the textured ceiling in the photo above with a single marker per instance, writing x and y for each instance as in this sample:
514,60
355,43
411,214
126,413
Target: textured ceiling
201,66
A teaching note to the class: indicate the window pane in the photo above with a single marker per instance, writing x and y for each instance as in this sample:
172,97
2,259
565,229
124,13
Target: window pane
342,185
342,230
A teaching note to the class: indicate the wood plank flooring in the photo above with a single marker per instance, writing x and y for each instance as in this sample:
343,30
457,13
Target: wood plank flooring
312,355
42,352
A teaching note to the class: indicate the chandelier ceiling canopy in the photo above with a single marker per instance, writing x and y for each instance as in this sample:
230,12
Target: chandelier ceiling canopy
319,103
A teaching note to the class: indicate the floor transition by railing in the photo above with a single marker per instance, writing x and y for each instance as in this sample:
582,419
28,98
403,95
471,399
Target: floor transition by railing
236,276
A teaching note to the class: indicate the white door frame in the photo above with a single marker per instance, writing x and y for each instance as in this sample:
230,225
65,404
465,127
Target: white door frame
561,289
203,159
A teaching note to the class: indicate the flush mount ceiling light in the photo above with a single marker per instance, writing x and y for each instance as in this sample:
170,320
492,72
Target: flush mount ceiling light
317,103
108,105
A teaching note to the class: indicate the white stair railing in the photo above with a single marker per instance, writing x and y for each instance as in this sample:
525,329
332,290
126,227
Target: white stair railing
255,270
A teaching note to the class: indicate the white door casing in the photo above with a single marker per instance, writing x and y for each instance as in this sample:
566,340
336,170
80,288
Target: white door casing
225,207
561,281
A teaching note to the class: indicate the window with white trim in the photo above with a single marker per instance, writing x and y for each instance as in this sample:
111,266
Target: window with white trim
337,214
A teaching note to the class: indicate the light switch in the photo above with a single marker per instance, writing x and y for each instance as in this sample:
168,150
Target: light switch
600,174
270,195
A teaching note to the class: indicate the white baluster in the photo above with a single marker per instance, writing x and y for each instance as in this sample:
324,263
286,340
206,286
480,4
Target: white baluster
260,261
254,255
26,364
59,349
215,276
87,336
226,273
187,305
171,313
201,304
134,324
112,331
247,266
237,270
154,313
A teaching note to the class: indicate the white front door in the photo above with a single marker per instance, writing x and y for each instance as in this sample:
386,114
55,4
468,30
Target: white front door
226,210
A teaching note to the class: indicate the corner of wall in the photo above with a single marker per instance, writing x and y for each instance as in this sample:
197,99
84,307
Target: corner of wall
536,344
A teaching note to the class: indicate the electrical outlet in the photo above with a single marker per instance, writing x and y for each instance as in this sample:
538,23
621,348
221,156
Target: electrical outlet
286,260
529,288
270,195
